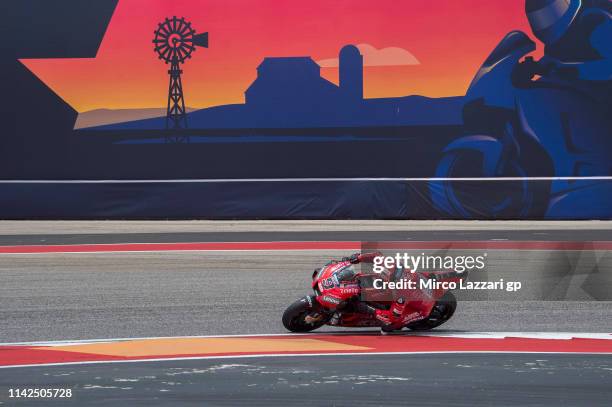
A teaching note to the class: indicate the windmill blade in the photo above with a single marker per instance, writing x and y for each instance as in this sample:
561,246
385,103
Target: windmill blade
185,28
163,28
184,39
179,26
161,50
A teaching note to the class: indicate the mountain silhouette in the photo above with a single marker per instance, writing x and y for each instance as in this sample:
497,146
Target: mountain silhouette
101,117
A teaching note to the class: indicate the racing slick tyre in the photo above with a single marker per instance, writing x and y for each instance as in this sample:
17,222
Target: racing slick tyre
295,316
441,312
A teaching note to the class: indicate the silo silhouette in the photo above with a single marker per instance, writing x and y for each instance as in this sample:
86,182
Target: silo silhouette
351,72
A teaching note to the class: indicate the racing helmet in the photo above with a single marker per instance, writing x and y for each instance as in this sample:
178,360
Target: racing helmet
346,274
550,19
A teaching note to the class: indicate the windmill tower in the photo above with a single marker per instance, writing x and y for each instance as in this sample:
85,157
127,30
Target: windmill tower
174,41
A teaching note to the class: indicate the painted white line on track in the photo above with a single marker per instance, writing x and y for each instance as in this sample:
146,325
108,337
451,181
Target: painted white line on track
268,355
237,242
467,335
214,250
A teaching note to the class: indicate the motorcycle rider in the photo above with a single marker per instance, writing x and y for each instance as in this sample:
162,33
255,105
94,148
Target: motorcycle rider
402,311
577,38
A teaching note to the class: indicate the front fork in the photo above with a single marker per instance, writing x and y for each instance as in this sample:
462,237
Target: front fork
318,312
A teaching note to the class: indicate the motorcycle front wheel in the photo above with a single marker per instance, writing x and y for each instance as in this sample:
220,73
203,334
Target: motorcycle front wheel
301,316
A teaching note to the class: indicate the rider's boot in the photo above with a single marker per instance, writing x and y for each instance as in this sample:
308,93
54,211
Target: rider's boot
397,309
387,324
391,320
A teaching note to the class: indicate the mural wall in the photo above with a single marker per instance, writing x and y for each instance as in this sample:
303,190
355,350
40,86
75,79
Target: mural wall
287,109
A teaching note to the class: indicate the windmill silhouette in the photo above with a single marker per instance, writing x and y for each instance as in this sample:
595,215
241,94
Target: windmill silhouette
174,41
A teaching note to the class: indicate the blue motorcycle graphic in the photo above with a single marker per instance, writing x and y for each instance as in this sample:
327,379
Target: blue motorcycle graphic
535,144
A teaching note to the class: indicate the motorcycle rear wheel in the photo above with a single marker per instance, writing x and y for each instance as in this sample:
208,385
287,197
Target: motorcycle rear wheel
294,317
443,311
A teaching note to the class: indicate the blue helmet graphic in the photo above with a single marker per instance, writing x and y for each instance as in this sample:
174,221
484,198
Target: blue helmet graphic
550,19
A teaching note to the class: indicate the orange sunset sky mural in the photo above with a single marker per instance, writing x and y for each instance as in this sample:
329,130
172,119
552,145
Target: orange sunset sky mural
423,47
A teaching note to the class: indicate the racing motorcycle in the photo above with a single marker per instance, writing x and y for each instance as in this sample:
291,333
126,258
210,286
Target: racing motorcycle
345,298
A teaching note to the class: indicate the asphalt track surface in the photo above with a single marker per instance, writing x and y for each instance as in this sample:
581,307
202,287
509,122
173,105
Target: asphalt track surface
119,295
376,380
115,295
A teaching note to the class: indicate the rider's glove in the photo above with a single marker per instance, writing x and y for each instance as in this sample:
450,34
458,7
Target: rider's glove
523,72
354,258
